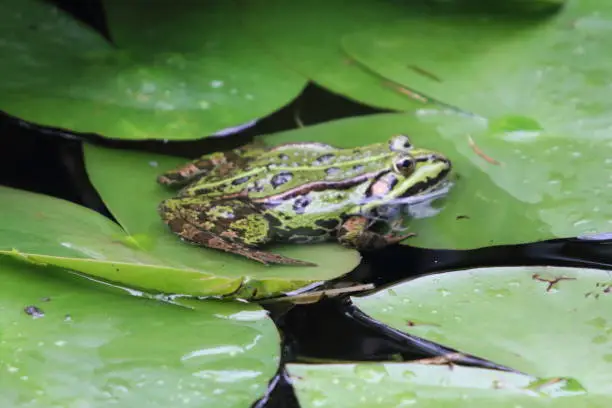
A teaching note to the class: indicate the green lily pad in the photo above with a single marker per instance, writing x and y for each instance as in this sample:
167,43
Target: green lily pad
409,384
307,36
172,72
541,75
93,347
544,321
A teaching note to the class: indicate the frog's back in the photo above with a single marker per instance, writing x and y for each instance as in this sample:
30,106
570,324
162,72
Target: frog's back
290,167
317,155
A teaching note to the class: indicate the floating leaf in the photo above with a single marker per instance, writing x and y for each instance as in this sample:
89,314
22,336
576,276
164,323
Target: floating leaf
407,384
531,74
98,348
172,72
307,36
544,321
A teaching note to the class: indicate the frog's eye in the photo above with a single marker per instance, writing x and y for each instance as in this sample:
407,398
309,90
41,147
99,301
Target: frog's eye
400,143
404,165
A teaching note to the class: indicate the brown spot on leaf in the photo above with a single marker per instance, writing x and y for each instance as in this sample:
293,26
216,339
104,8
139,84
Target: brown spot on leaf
412,323
425,73
602,288
480,153
407,92
552,282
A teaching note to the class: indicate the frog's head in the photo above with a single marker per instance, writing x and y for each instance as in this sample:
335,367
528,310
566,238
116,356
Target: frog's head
413,172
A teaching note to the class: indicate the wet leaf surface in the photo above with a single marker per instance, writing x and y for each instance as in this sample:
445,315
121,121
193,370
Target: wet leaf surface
186,76
94,346
308,36
530,74
543,321
409,384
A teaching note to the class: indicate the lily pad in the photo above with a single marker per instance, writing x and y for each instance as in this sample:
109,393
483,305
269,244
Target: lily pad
91,347
540,75
172,71
543,321
307,36
409,384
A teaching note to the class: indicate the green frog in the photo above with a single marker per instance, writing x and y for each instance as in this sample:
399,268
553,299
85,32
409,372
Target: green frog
239,200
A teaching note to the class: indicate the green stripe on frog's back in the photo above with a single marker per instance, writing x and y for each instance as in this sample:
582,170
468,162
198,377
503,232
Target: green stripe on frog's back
277,171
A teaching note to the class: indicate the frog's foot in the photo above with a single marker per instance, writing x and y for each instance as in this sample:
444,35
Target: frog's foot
267,258
191,233
354,233
392,239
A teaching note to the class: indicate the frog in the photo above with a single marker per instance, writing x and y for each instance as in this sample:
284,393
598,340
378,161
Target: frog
244,199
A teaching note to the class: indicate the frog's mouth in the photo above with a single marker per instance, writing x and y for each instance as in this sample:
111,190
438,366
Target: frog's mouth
391,208
435,191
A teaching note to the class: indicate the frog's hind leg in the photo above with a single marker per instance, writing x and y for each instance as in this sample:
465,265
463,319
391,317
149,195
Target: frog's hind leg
179,214
224,162
354,233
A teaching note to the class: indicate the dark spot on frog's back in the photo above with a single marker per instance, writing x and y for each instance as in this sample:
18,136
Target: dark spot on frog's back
255,187
283,157
332,171
240,180
281,178
358,167
300,204
326,158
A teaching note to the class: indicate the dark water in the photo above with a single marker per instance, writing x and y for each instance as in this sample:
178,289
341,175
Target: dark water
50,161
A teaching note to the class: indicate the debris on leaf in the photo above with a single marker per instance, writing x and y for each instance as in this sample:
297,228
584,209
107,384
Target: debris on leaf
34,311
482,154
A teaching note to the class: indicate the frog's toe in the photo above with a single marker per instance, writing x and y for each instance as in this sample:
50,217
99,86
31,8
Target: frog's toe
394,239
268,258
